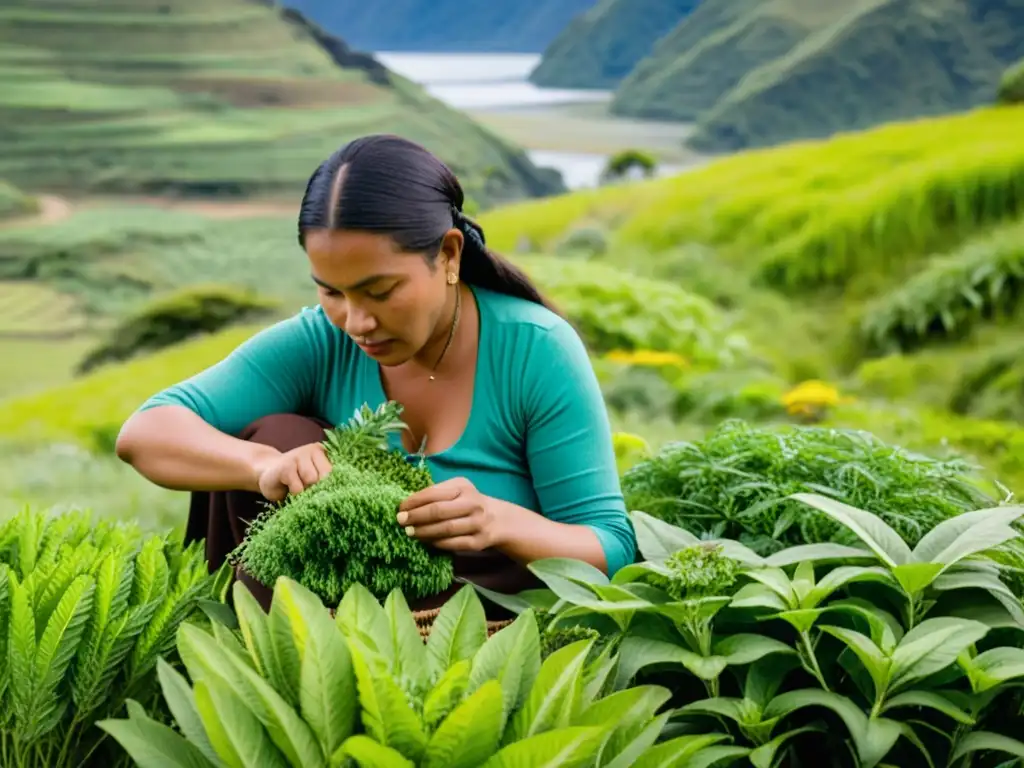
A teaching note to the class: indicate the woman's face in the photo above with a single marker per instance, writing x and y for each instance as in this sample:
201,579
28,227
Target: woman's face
389,302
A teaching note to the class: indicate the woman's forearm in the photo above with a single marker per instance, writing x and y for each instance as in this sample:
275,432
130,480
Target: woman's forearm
529,536
173,447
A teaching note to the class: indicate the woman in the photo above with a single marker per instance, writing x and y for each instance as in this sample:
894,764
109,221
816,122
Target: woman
497,388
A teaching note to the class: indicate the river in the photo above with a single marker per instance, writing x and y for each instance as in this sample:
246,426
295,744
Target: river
570,130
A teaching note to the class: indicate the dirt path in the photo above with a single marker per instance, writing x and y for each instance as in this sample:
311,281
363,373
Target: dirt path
214,209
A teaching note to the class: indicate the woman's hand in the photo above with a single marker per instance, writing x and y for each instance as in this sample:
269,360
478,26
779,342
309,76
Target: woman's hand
291,472
454,515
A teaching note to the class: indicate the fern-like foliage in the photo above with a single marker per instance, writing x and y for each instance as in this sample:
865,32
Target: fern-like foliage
86,608
343,530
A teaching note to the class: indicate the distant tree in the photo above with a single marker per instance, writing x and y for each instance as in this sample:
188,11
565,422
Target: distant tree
1011,89
628,163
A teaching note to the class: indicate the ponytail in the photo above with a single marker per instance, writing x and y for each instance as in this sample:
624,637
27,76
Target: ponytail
482,267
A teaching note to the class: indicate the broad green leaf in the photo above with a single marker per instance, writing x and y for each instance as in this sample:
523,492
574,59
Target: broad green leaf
512,657
743,648
777,581
658,540
214,664
764,755
640,572
284,650
410,650
916,577
151,744
458,632
994,667
637,652
572,747
967,533
568,568
362,619
234,731
872,738
553,696
990,583
714,756
871,529
471,733
446,693
628,712
870,655
985,740
802,619
182,704
737,710
254,625
817,553
683,611
932,645
840,577
933,699
803,581
640,743
369,754
886,629
541,600
757,595
386,714
675,752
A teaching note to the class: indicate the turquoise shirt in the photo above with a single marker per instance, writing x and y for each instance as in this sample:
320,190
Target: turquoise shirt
538,433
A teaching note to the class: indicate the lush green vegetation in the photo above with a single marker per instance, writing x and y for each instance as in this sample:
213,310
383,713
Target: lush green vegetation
1011,87
500,26
231,97
14,203
599,47
762,72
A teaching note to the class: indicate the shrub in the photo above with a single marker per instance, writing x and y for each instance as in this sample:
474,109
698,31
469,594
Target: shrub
14,203
616,310
182,315
627,162
1011,87
982,281
583,241
738,480
87,607
294,687
342,530
824,655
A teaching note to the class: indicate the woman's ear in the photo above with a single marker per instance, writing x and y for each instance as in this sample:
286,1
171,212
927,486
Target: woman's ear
451,249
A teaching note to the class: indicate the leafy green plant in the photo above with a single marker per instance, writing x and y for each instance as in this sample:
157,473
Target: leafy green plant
296,687
819,654
737,482
87,607
343,530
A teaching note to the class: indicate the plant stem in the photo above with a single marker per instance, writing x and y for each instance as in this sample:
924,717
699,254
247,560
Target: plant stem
810,660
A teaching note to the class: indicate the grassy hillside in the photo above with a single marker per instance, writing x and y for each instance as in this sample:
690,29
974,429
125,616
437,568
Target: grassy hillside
497,26
226,97
757,74
601,46
14,203
863,262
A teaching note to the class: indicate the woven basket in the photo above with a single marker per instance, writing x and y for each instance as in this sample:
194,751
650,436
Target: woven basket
425,622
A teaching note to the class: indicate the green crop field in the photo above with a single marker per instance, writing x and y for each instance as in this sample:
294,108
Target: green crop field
232,97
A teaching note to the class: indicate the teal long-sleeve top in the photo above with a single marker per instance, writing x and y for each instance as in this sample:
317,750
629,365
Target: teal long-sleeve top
538,433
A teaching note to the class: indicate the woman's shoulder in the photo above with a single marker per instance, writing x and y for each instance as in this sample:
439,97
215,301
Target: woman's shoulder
515,316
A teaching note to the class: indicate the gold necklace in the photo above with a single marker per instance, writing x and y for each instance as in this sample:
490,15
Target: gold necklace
451,332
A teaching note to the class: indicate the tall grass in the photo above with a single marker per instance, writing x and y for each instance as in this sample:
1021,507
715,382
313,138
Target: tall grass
982,281
812,213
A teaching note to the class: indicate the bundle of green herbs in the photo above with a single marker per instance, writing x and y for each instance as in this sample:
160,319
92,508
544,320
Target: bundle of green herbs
343,530
736,483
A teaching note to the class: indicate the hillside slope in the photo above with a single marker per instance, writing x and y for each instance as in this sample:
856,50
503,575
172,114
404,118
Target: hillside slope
497,26
600,47
764,73
222,97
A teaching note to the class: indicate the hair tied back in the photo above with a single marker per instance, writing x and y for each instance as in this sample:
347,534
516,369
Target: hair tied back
469,228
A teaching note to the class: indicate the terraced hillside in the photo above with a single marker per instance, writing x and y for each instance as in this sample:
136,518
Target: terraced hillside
759,73
219,97
601,46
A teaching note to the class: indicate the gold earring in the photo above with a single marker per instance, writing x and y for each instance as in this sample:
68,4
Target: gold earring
452,278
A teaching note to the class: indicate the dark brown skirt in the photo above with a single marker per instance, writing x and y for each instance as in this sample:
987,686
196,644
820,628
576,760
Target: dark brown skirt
222,518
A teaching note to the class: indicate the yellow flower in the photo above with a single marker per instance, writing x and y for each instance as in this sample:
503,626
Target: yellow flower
811,398
646,357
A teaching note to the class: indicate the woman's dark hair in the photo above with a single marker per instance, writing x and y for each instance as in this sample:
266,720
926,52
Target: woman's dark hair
387,184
